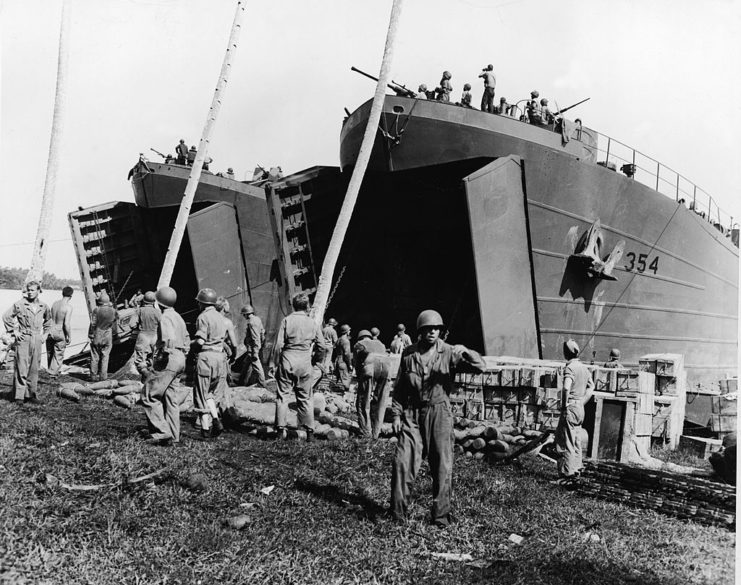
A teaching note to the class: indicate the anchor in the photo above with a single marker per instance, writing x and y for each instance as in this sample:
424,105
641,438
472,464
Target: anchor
588,254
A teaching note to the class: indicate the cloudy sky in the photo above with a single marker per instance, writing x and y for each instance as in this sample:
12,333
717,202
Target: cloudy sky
662,77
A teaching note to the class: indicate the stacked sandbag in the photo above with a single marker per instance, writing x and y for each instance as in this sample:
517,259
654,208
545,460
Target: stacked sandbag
124,393
479,439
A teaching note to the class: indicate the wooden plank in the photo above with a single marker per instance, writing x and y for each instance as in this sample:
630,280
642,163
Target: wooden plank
628,431
597,425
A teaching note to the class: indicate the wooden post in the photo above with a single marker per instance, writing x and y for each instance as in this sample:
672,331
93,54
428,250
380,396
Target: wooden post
348,205
195,174
38,259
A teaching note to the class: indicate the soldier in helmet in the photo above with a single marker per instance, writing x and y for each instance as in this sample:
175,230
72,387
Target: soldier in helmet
146,319
445,88
614,359
254,339
211,366
546,116
330,340
466,97
532,109
401,340
299,338
422,418
422,92
577,390
343,357
103,321
490,83
160,392
181,150
372,367
375,333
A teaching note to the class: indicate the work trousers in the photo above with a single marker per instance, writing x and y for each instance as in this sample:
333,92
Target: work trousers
252,365
568,441
144,350
344,376
27,358
426,432
294,376
100,349
56,343
211,369
487,100
161,399
373,393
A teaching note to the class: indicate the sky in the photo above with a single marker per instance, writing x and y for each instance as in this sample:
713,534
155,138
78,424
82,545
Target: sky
662,77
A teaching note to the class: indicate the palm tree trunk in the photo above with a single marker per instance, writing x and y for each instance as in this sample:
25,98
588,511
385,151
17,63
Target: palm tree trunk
38,259
195,174
361,164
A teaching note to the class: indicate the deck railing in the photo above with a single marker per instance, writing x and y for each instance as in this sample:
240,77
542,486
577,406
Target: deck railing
662,178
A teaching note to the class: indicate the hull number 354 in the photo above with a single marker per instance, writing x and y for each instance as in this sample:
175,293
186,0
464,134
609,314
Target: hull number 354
638,262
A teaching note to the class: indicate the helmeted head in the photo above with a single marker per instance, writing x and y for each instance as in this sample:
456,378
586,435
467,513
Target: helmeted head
363,334
422,87
193,147
222,305
166,296
430,325
230,170
534,94
489,67
614,354
103,298
32,289
375,332
332,322
247,310
447,75
344,328
570,349
401,328
67,291
207,296
544,102
300,302
503,100
149,298
466,87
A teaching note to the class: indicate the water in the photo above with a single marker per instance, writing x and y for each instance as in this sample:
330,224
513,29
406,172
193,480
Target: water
80,317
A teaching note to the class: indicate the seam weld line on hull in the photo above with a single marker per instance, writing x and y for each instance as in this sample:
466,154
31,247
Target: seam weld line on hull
638,336
636,273
634,238
640,307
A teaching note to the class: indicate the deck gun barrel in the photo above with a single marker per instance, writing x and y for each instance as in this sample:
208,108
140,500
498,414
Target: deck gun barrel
397,88
567,108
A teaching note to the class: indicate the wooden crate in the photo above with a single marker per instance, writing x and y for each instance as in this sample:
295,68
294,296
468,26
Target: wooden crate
724,404
699,446
728,385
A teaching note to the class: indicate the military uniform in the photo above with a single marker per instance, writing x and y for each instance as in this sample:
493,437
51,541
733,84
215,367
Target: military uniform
253,340
29,321
102,321
372,367
298,336
421,401
58,337
568,443
147,319
343,360
160,396
400,342
211,364
330,340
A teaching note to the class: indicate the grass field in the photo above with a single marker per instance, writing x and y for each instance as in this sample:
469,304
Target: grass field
323,522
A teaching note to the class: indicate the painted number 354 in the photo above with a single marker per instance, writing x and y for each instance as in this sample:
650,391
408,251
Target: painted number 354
638,262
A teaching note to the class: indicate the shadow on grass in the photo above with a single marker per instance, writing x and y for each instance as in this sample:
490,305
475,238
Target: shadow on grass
359,504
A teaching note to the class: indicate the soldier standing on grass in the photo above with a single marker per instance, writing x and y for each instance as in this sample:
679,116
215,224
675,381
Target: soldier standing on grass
423,420
211,365
146,319
577,390
60,332
343,357
159,395
372,367
103,319
254,339
330,339
27,320
299,337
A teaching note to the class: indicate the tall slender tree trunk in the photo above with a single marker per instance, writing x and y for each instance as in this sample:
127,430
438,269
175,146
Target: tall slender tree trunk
361,164
195,173
38,259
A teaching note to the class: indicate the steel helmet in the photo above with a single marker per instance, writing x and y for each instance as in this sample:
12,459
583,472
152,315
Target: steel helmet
248,310
535,93
166,296
149,297
466,87
570,349
615,353
544,102
429,318
332,321
364,333
401,327
103,298
422,87
344,329
375,331
447,75
207,296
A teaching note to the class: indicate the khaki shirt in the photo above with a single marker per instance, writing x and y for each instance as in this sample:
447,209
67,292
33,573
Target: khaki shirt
581,382
255,335
211,329
297,336
365,348
25,317
171,332
147,318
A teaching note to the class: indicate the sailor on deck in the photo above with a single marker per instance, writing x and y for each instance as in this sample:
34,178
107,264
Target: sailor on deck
182,152
466,97
490,83
445,88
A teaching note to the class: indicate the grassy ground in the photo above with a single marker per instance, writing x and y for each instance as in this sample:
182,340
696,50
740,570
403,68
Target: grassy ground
323,522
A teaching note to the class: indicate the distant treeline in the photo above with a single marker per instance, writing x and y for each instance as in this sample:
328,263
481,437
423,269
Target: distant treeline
13,278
